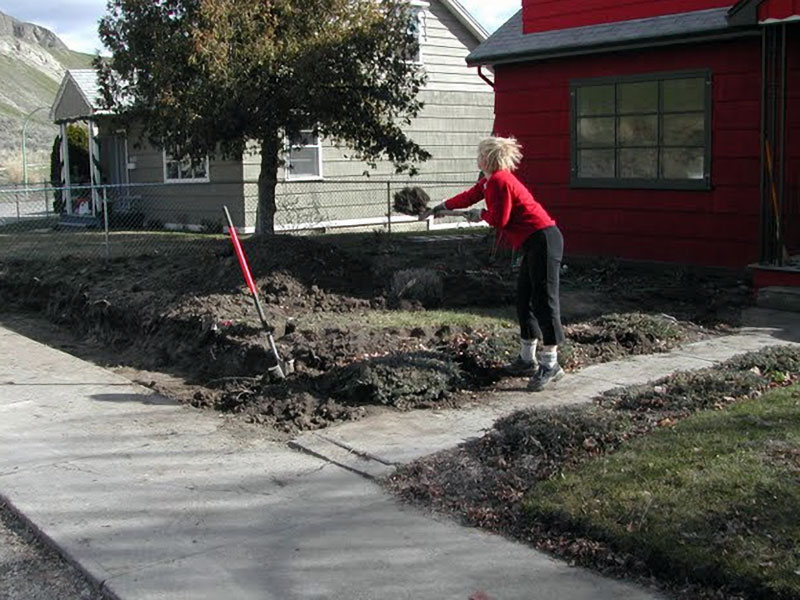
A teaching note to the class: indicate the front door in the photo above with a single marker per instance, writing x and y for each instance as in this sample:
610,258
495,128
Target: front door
113,160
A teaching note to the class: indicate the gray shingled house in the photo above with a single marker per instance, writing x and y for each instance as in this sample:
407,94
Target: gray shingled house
320,185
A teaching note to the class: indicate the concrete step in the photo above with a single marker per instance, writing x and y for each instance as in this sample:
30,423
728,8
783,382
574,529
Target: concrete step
779,298
79,221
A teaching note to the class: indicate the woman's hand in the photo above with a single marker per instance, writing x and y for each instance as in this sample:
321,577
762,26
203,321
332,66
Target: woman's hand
432,211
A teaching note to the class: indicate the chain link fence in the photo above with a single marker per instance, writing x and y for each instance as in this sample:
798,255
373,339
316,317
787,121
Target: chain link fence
41,221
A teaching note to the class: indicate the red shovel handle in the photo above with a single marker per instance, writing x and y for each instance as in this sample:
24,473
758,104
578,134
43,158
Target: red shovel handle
237,246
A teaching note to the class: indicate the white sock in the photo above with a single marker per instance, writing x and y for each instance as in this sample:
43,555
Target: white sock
527,350
549,358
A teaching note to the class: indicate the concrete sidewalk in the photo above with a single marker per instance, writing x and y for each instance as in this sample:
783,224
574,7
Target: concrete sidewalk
159,501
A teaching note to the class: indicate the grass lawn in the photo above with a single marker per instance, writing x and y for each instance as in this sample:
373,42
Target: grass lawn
479,318
714,499
36,239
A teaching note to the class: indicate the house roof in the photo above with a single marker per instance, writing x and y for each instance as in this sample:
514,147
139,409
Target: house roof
509,44
466,19
84,81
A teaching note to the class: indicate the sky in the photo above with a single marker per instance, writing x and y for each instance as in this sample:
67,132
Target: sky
75,21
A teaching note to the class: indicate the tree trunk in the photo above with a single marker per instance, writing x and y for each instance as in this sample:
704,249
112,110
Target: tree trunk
267,181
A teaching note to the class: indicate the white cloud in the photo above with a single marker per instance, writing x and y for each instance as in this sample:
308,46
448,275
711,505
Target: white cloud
492,14
74,21
85,41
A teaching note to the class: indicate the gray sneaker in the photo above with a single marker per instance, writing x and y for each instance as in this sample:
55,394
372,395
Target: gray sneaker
545,376
521,368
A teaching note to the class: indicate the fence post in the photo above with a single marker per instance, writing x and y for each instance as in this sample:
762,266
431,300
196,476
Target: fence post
105,223
46,202
389,206
16,199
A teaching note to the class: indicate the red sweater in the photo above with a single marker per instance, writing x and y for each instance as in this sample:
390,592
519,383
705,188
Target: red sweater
510,207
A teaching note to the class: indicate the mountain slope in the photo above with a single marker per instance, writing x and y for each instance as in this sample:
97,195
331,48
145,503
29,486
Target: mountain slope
33,59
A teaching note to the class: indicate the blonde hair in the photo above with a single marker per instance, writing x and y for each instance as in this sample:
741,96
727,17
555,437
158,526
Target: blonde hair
498,153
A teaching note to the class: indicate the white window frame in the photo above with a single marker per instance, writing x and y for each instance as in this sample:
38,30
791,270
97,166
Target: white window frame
660,182
288,175
167,179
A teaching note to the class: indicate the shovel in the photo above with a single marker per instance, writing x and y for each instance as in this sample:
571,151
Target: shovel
281,368
445,213
450,213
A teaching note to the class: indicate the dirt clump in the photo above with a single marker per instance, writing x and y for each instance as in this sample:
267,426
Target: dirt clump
404,381
614,336
411,201
286,407
424,286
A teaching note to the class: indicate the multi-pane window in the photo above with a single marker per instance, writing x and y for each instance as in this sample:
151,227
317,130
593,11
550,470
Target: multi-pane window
304,157
648,131
182,169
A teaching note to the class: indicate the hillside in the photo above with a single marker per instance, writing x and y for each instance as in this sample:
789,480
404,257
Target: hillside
34,60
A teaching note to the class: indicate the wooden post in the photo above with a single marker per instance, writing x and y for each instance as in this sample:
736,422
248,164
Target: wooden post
105,224
65,178
389,206
94,173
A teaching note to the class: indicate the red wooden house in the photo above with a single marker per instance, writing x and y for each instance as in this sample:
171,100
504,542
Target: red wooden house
657,129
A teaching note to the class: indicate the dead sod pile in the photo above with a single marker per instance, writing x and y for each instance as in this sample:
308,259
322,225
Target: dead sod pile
188,314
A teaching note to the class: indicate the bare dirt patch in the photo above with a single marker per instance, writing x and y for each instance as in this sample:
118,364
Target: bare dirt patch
355,314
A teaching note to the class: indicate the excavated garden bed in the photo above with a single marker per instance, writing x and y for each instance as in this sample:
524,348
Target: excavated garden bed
372,321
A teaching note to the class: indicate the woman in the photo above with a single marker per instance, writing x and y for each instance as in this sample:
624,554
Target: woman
522,223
